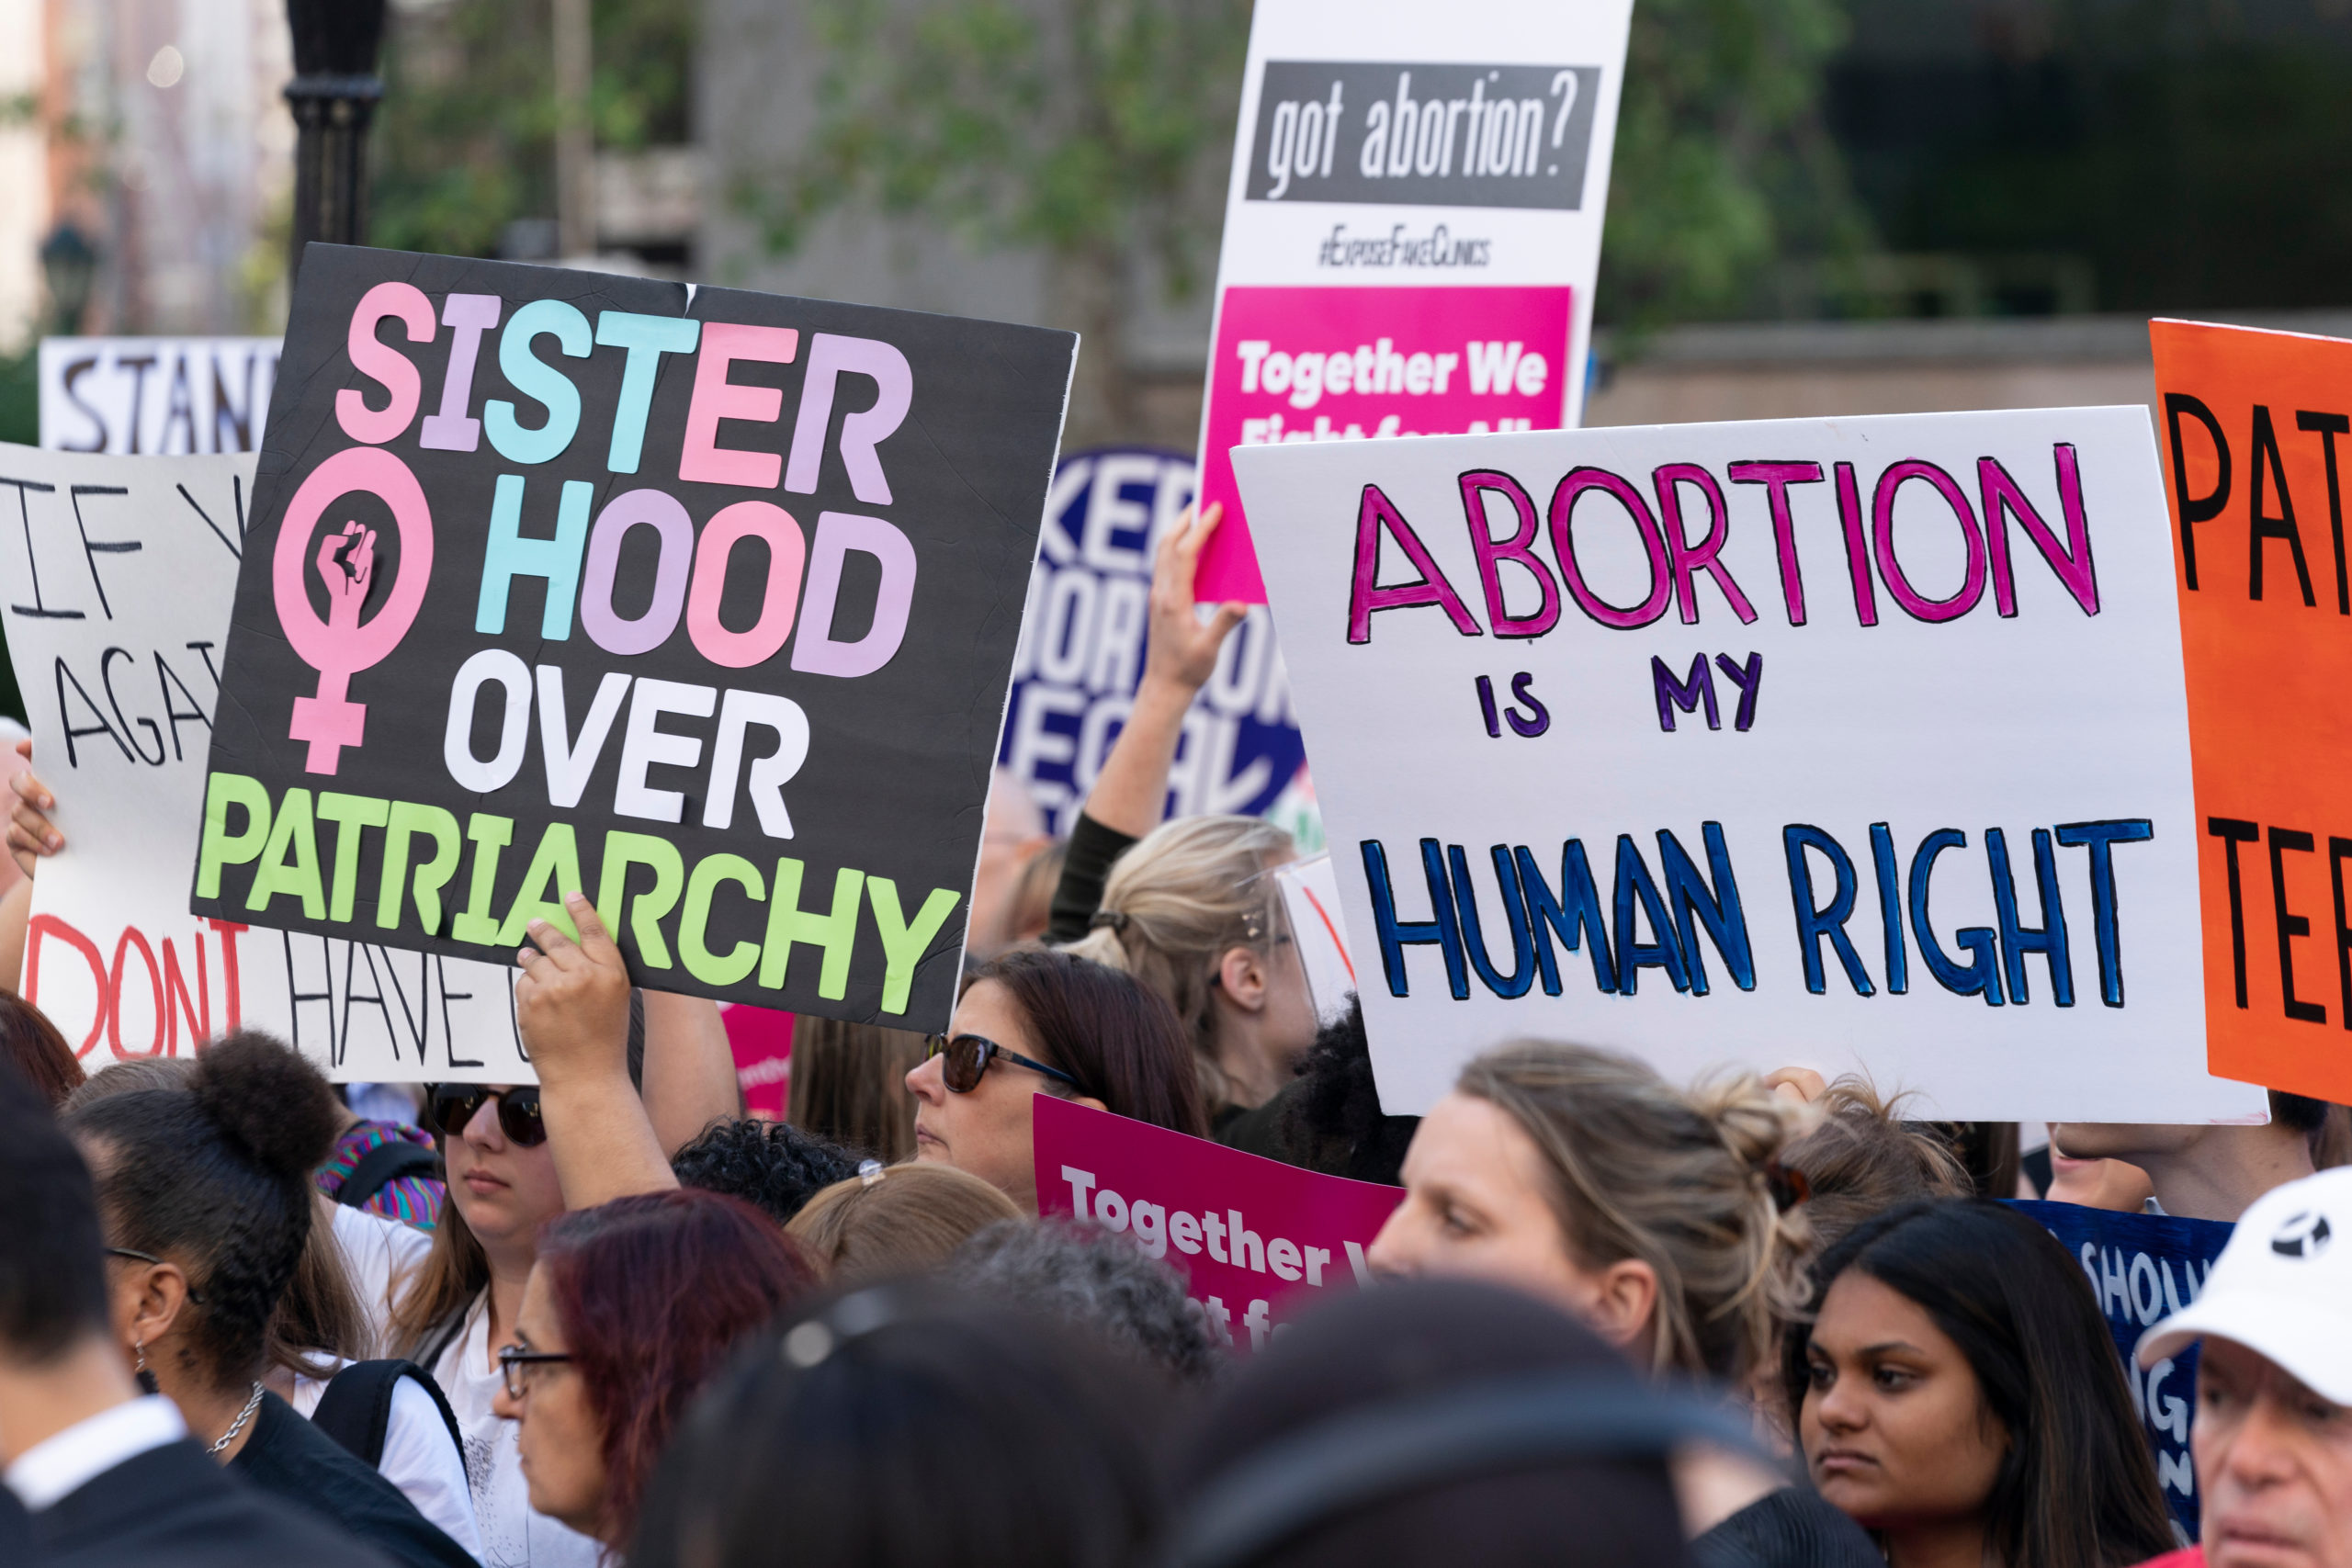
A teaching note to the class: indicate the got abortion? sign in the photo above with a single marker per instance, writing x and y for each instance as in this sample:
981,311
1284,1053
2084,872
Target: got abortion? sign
702,602
1851,744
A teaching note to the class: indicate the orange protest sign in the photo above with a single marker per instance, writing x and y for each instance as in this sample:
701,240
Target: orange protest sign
2255,431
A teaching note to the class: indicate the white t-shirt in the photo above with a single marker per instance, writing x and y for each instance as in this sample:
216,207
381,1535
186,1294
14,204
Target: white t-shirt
418,1457
380,1255
513,1535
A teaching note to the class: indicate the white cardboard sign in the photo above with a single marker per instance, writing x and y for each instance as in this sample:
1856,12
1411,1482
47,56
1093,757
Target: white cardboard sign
1412,228
1311,903
155,396
1850,744
117,575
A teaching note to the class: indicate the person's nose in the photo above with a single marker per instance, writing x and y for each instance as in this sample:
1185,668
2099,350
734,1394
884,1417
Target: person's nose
482,1130
927,1081
2261,1450
505,1406
1396,1252
1840,1407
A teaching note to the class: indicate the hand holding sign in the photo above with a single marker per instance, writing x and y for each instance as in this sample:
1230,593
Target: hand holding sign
572,1007
30,834
1183,647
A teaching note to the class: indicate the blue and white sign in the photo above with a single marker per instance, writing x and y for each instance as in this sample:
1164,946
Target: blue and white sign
1082,640
2144,1267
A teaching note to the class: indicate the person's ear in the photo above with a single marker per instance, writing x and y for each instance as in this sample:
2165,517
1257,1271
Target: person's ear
160,1294
1624,1302
1089,1102
1241,976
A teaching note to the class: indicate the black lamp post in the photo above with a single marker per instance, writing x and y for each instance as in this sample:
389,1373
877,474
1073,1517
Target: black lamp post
70,265
334,97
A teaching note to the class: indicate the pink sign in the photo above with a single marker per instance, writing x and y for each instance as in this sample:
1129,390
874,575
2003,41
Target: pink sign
762,1041
1258,1241
1350,363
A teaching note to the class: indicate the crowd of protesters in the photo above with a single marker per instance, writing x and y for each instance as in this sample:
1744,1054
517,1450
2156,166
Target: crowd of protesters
606,1318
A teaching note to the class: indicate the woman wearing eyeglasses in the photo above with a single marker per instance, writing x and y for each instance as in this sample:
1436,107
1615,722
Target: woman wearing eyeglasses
1034,1023
465,1300
632,1307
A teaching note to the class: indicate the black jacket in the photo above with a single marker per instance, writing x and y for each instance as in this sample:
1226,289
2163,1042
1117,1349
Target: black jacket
294,1461
174,1508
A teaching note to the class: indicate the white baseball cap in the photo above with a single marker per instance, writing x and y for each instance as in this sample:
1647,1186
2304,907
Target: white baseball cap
2282,1287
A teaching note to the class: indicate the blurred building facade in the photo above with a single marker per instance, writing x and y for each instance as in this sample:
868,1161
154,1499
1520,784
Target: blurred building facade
155,129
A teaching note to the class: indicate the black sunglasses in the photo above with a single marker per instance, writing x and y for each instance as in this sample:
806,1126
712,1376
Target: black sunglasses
450,1107
968,1056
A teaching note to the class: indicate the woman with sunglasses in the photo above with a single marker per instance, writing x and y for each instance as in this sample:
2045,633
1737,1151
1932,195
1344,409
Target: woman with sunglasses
517,1158
464,1302
632,1307
1034,1023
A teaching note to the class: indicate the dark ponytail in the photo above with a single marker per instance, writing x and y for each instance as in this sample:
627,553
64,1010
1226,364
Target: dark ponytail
216,1177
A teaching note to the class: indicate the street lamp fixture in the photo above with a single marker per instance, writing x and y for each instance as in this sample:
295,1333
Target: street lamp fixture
70,265
333,97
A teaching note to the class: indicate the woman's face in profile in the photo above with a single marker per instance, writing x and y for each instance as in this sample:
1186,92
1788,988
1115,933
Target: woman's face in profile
987,1131
1895,1429
1474,1205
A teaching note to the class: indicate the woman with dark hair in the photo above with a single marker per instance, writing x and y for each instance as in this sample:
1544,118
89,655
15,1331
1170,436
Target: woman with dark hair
1958,1394
849,1085
631,1306
204,1197
1035,1021
32,1043
897,1427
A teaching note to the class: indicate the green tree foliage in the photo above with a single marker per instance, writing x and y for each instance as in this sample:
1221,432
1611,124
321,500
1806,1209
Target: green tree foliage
465,140
1724,168
1097,130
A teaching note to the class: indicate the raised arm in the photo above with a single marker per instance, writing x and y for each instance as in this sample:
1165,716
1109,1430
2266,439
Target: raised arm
689,1068
1131,790
573,1004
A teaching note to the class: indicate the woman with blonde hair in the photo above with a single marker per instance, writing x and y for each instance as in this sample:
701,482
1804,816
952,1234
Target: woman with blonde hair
1193,912
1664,1219
889,1222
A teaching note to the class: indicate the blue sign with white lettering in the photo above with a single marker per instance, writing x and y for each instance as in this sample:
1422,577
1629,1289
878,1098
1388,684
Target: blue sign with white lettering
1082,638
2144,1267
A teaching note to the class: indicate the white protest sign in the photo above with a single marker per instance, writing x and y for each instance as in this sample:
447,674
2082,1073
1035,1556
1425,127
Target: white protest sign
1412,230
120,573
162,396
1311,902
1662,739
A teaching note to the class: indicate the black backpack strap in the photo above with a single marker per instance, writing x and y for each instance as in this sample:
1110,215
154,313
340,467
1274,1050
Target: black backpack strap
356,1409
382,1166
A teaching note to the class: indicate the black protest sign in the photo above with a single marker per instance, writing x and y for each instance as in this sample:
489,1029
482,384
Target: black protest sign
702,606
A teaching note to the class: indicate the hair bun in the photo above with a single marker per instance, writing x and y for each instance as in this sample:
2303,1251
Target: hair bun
270,1102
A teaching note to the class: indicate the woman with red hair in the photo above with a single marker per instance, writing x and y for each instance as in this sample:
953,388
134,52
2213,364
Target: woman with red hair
630,1307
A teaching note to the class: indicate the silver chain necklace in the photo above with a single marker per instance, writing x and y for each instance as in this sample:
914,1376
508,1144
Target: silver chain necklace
239,1424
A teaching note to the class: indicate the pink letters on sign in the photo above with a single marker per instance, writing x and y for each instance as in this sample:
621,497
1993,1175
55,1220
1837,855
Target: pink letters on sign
1256,1240
341,646
716,398
787,552
1321,364
370,356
